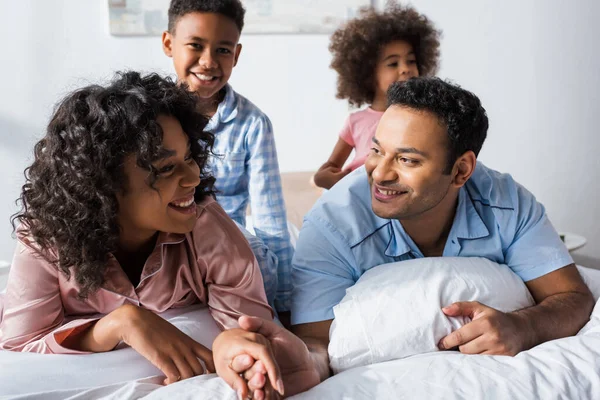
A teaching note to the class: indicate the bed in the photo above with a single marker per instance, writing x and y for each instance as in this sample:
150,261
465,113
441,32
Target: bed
562,369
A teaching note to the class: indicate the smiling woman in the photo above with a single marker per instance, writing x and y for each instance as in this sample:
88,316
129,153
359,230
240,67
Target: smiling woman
118,219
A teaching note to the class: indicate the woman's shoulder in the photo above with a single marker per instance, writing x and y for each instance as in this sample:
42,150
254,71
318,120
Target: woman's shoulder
212,219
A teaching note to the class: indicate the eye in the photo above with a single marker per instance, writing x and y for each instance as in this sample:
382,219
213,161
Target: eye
394,64
189,158
223,51
375,150
407,161
411,62
166,169
195,46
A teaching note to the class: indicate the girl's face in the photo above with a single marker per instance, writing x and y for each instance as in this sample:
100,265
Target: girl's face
397,62
169,206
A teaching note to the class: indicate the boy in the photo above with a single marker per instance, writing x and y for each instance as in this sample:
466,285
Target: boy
202,39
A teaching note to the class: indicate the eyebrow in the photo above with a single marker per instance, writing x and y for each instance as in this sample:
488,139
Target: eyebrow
412,53
164,153
199,39
410,150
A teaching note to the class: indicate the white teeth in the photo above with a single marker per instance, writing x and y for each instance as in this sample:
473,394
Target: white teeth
204,77
183,203
388,192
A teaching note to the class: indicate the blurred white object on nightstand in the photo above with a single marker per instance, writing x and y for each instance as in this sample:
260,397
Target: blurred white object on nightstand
573,241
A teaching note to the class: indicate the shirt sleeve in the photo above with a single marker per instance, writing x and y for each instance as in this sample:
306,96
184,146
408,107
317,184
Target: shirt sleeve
346,133
267,204
233,278
323,268
33,319
536,248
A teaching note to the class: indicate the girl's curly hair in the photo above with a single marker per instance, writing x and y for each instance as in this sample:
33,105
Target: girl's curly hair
68,202
356,45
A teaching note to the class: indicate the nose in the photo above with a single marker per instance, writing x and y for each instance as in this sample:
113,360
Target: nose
207,61
405,69
190,176
383,171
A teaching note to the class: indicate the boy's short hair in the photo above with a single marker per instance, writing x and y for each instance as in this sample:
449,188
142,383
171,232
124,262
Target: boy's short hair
459,110
355,48
230,8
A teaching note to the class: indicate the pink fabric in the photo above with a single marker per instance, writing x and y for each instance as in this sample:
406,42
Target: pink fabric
358,131
213,265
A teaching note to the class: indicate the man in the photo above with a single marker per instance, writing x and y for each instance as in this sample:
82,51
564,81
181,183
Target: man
425,195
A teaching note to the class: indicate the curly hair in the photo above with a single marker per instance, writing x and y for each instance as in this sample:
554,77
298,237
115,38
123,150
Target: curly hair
232,9
459,110
356,46
68,202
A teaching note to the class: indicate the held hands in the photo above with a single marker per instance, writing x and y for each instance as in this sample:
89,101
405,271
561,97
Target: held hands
165,346
267,356
490,331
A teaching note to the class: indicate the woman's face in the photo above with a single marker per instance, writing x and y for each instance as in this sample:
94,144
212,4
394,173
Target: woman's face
168,206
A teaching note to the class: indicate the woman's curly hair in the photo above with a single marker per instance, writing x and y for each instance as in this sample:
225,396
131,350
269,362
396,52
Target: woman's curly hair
356,45
68,202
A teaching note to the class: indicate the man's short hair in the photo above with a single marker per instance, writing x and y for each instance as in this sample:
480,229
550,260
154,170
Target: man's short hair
458,109
232,9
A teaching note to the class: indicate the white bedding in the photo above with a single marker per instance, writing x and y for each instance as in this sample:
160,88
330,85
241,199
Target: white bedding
562,369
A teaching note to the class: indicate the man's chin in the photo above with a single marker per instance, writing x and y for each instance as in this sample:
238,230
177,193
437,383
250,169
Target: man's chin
385,213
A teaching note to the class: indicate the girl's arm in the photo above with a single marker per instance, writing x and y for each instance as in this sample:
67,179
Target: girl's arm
331,172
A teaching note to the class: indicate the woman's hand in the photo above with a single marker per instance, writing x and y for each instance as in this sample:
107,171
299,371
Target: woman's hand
165,346
161,343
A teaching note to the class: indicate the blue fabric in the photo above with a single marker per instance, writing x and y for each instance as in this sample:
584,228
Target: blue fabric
247,172
341,238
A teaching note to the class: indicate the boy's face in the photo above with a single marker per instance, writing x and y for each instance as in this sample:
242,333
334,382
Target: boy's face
204,48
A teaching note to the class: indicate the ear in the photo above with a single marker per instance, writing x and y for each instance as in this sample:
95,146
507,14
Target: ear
167,43
464,168
238,50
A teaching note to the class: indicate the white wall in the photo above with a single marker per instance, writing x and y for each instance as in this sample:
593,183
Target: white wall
533,63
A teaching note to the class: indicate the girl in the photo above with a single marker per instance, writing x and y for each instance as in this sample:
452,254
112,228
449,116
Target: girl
369,54
118,219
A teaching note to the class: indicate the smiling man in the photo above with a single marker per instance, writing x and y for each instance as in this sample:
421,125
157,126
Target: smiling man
423,193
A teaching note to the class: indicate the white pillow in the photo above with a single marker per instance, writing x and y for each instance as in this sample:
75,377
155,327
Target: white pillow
394,310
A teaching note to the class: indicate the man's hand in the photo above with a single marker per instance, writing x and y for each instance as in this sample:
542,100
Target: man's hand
235,351
294,360
490,331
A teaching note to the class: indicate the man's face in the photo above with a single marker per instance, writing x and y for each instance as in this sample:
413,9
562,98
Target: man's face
407,163
204,48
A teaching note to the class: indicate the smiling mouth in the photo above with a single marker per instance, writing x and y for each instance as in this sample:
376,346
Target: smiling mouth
206,79
187,206
387,194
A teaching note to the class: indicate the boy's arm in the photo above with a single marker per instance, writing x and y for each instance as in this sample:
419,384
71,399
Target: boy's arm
267,204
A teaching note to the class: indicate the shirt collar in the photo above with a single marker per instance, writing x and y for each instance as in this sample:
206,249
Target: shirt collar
226,111
467,225
116,280
467,221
